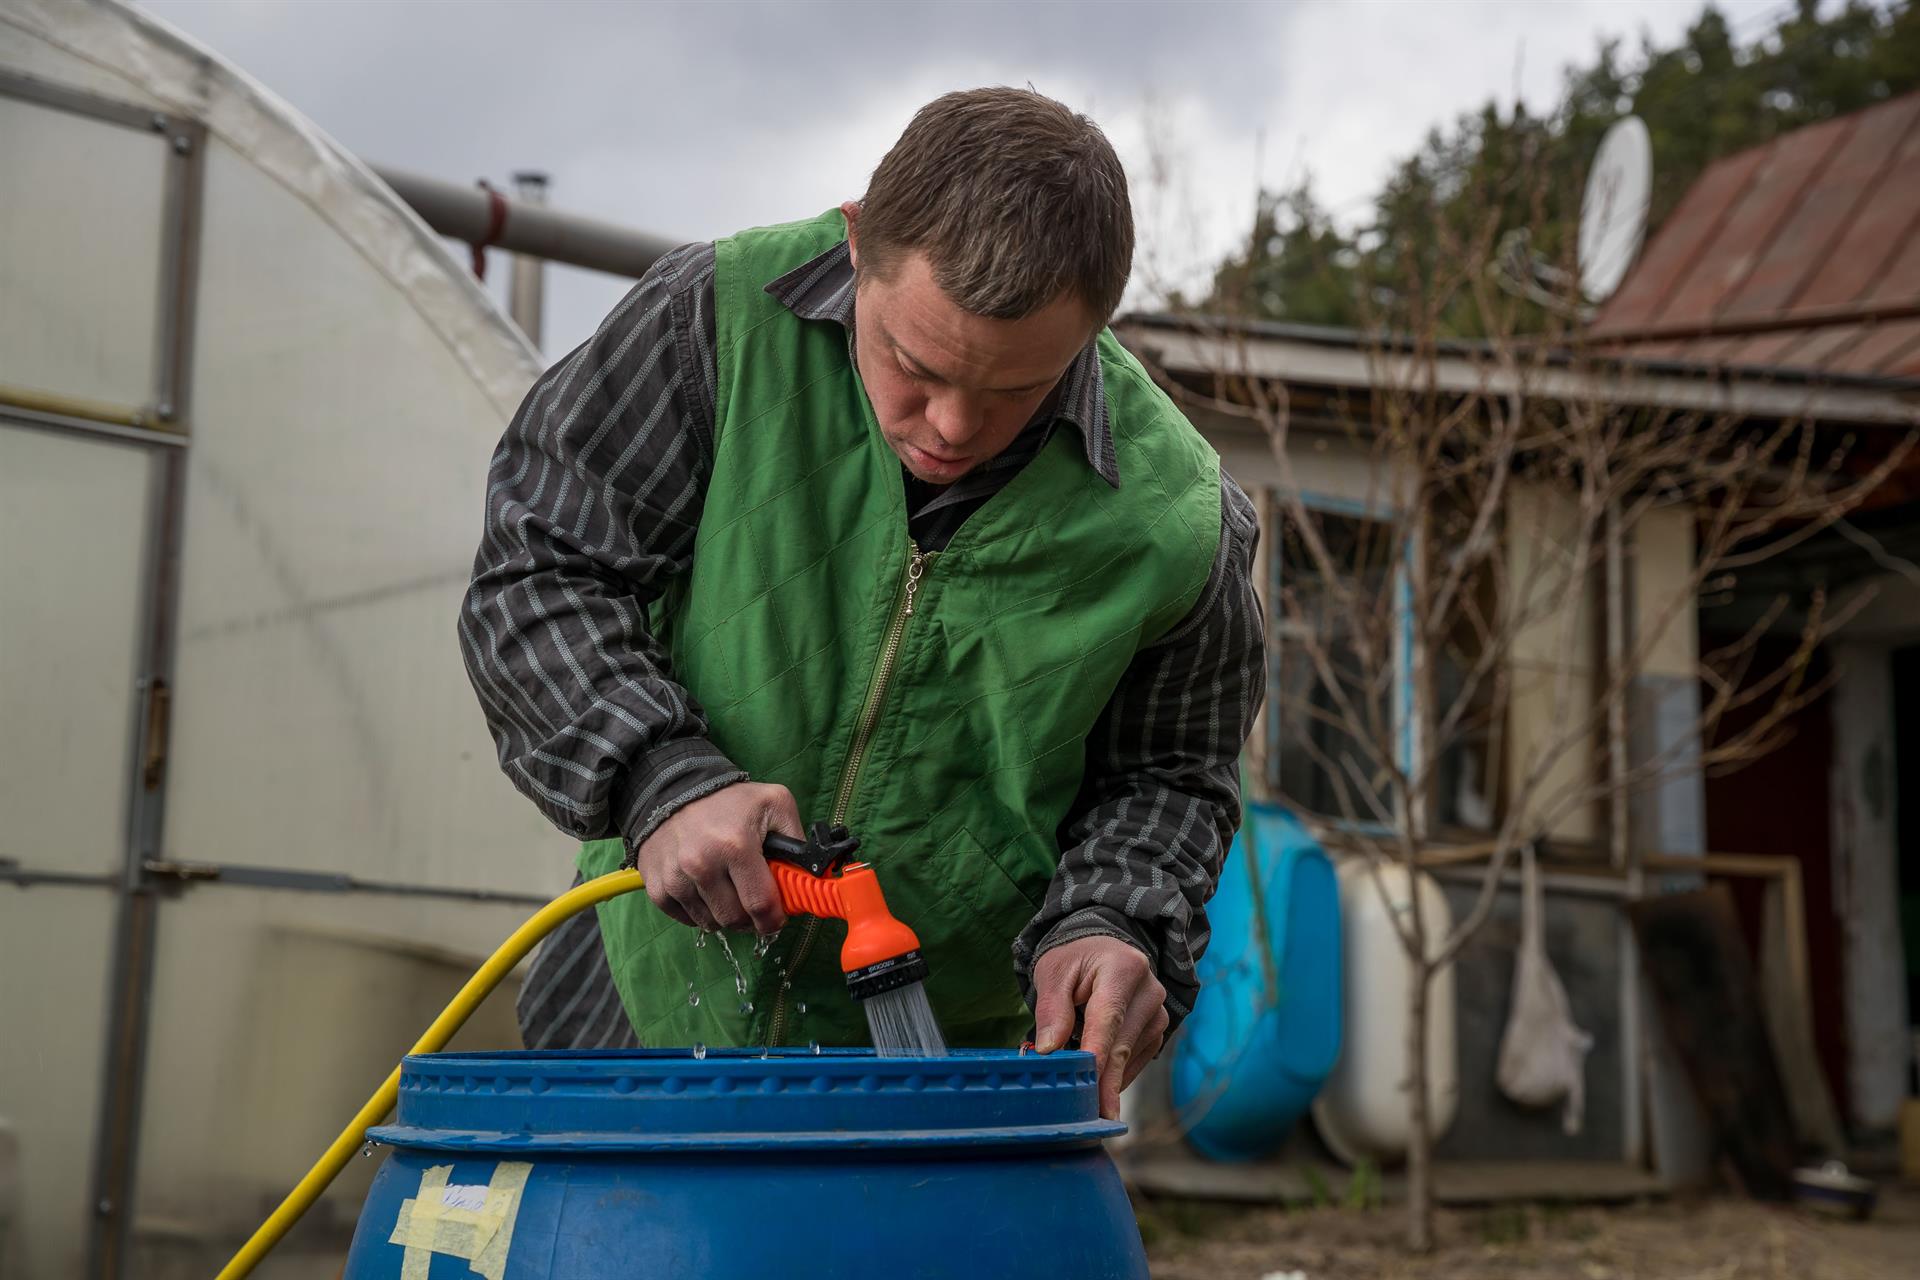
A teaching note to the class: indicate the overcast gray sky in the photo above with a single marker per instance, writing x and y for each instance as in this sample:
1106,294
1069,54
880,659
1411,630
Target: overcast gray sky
693,120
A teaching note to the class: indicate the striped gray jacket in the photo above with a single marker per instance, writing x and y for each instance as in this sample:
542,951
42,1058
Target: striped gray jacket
592,728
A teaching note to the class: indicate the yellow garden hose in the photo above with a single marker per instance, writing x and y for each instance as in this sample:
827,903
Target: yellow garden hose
451,1019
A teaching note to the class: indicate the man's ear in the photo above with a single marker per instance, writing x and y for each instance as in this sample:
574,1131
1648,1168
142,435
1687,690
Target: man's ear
851,210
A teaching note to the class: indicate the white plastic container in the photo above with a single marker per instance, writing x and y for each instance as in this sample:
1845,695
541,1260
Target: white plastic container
1362,1111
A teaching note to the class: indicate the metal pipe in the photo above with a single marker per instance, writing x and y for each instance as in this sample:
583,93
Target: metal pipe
464,213
124,1081
34,400
1590,886
35,420
11,872
1614,641
182,875
526,286
1618,623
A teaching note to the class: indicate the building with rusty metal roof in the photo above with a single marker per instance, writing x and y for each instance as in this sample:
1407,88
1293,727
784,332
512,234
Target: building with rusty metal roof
1800,254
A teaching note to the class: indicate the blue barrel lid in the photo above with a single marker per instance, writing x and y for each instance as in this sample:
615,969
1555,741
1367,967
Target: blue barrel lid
743,1099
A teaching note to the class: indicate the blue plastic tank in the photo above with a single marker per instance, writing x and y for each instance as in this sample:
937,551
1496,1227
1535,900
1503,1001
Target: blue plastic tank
587,1166
1265,1031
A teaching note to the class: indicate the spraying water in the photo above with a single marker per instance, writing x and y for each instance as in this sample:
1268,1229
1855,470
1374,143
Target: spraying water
739,978
903,1025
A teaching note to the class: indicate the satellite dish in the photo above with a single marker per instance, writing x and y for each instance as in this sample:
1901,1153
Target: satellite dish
1613,213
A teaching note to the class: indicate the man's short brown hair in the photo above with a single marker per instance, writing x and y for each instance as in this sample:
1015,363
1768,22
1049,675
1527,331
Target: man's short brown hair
1013,197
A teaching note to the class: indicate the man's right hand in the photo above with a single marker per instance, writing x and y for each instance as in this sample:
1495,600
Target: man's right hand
705,867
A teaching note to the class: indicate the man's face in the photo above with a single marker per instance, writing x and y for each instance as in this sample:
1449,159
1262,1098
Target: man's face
952,389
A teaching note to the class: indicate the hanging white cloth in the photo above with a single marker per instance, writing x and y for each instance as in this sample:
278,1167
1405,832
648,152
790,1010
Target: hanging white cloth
1542,1053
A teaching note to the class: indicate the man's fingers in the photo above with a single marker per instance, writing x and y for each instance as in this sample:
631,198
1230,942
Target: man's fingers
723,903
699,915
1146,1002
1149,1046
677,895
1105,1014
1137,1040
672,909
1118,1008
1053,1004
1114,1012
758,895
694,912
750,883
723,871
1106,1011
783,813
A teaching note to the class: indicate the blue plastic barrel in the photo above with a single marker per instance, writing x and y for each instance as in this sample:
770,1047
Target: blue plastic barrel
587,1166
1265,1032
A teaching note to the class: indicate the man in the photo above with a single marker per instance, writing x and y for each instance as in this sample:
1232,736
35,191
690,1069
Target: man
867,518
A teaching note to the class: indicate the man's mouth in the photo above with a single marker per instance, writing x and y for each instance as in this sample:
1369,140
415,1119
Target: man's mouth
933,462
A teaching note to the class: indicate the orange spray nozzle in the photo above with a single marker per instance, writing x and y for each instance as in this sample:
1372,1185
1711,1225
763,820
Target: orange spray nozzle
874,935
816,878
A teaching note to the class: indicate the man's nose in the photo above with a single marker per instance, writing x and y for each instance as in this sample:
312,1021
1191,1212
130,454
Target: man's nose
955,417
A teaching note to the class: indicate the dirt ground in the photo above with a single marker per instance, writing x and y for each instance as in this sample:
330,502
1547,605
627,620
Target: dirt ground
1718,1239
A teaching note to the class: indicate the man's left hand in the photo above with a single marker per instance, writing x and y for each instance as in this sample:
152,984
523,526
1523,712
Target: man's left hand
1121,1007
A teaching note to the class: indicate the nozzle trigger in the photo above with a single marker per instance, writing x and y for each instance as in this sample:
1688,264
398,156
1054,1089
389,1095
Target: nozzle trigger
826,847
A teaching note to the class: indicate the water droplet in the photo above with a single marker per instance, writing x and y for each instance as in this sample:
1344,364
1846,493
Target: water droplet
693,998
699,1050
785,985
367,1150
746,1006
700,939
813,1047
800,1006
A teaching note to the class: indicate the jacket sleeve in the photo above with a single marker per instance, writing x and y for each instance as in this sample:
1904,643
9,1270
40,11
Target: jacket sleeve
593,499
1143,846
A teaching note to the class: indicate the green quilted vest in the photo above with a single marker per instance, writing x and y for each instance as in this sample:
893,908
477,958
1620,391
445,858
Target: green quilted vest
948,733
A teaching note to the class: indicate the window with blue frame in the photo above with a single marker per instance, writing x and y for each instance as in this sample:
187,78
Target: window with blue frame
1316,760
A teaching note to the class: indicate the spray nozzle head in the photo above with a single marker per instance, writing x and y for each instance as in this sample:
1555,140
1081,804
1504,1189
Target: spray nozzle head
875,937
886,975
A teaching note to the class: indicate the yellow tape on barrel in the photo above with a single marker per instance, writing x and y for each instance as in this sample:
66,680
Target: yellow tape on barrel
468,1221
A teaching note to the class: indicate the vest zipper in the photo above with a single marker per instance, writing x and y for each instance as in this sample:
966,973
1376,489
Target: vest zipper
862,738
882,677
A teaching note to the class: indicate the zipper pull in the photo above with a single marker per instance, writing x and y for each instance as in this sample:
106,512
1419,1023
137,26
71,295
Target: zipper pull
916,565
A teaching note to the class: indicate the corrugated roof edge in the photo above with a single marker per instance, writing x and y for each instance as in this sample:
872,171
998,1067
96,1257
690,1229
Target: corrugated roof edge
1560,357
